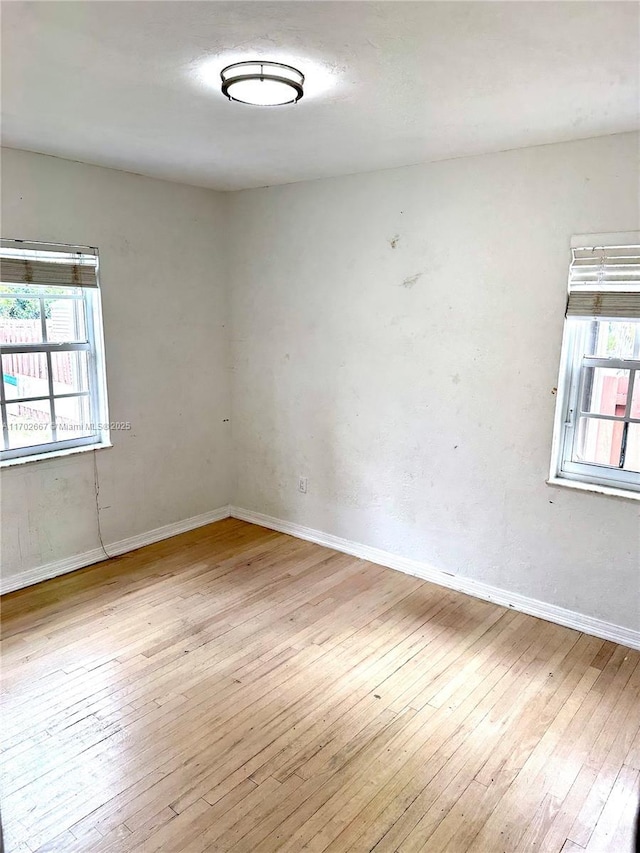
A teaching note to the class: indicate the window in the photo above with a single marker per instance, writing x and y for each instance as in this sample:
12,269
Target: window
597,435
53,394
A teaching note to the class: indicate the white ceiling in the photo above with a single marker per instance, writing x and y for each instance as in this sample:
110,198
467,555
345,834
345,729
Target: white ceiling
134,85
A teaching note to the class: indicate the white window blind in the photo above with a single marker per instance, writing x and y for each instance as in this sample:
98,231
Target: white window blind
47,265
604,282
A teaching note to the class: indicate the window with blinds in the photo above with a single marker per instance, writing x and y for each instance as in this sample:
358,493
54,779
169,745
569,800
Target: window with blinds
53,391
597,434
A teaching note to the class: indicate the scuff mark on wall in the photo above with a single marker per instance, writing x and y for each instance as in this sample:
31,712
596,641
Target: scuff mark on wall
411,280
393,242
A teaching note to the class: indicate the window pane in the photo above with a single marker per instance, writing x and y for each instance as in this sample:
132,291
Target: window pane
70,372
616,339
65,320
632,456
25,375
598,441
604,390
635,400
19,319
72,418
29,423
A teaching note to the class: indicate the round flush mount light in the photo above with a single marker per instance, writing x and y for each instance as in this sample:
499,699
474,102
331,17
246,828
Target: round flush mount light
264,84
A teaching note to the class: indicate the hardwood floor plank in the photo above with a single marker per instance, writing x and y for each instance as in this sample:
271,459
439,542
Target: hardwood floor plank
235,689
613,831
571,847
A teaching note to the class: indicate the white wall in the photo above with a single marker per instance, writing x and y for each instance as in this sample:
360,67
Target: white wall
396,338
420,408
163,278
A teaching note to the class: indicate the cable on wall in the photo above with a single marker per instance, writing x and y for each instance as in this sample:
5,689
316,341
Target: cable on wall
96,485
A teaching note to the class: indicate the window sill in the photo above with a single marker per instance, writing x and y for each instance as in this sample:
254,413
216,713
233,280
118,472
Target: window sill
612,491
55,454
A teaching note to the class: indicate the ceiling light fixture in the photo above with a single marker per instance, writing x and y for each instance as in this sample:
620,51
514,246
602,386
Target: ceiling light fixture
263,84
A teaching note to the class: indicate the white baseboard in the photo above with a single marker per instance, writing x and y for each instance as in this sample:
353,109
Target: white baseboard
114,549
532,606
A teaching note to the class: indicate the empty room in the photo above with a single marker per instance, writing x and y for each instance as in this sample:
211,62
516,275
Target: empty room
320,460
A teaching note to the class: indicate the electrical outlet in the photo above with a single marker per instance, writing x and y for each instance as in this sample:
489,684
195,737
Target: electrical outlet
302,485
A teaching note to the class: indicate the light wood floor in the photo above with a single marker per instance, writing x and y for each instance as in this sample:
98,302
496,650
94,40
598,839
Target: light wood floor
235,689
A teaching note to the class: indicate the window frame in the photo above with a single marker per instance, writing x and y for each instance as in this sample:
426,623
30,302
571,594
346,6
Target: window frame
96,392
568,412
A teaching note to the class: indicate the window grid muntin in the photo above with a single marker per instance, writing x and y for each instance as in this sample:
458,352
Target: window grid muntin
85,297
622,364
577,332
